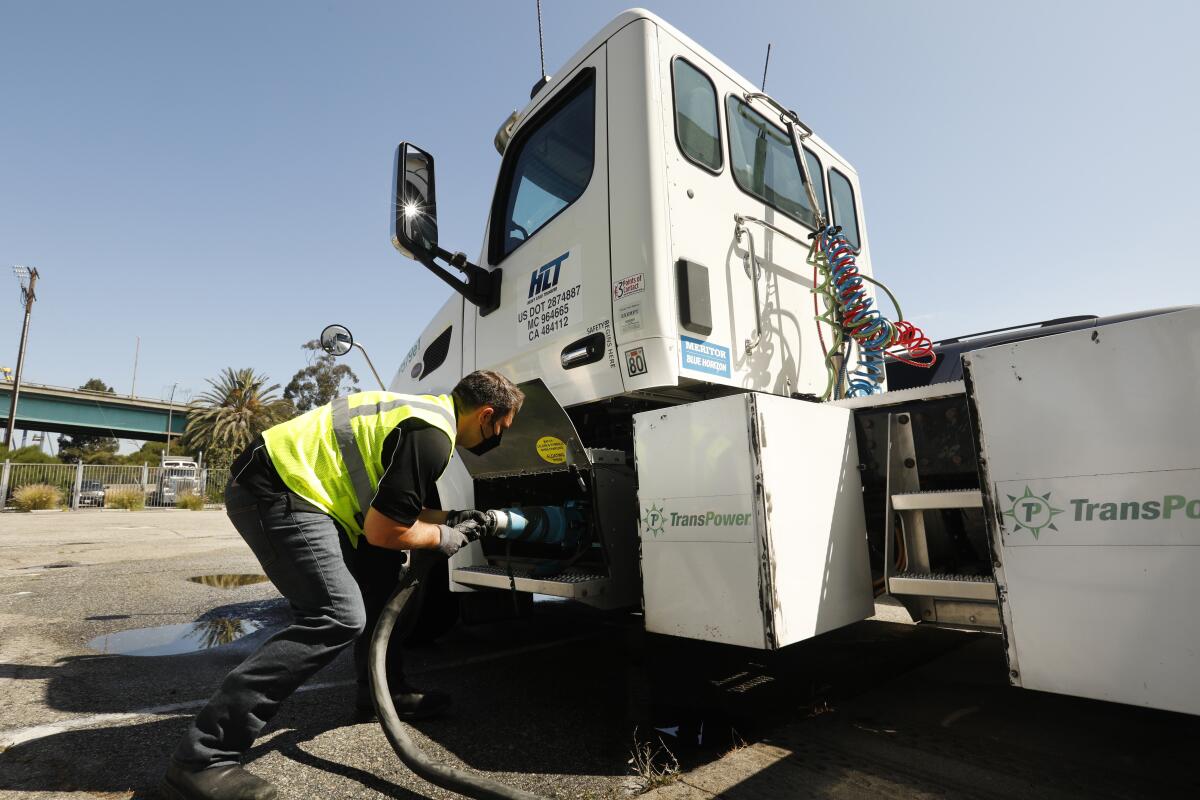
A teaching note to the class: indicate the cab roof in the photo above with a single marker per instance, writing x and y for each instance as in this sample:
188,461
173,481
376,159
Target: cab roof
624,19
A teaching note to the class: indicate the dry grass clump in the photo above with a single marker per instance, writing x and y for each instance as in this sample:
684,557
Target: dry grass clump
130,498
190,501
37,497
652,766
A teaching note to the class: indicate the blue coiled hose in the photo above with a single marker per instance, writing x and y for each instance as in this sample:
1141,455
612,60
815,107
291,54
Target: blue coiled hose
869,329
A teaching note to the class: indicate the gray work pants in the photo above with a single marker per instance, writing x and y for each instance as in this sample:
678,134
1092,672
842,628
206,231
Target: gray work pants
310,562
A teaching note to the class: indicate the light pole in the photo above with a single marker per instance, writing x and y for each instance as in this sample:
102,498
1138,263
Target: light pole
137,349
170,408
28,278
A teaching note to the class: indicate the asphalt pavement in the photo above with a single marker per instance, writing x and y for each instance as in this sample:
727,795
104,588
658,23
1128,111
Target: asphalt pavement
554,702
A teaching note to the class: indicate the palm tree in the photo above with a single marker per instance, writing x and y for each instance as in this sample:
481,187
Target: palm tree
238,407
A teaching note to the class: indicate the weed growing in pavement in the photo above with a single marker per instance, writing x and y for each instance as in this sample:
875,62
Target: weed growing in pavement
190,501
37,497
738,743
653,766
130,498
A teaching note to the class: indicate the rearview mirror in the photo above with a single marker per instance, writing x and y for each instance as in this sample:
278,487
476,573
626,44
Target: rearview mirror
336,340
414,204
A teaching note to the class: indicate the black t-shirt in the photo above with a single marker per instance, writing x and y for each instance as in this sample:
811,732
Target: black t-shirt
414,454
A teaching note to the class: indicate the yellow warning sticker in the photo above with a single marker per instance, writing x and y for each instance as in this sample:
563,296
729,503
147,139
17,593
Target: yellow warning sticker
552,450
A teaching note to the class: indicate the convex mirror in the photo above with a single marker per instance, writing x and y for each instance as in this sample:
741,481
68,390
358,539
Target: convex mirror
414,205
336,340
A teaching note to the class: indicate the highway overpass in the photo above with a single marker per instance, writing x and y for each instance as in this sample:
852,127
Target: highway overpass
78,411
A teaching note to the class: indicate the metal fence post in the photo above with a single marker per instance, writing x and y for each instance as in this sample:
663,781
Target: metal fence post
4,473
78,486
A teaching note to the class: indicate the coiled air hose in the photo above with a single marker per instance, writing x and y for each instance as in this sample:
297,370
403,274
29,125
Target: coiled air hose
397,615
850,313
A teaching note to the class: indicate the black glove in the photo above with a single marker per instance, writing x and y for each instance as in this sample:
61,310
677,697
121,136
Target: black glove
455,518
454,539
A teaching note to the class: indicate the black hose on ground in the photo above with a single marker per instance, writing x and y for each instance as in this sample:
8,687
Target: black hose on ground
394,616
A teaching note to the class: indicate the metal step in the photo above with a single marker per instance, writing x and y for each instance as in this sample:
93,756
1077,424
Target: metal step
922,501
572,583
934,391
941,586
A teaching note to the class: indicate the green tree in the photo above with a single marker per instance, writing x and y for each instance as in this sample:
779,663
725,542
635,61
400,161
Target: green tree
86,447
239,406
321,381
27,455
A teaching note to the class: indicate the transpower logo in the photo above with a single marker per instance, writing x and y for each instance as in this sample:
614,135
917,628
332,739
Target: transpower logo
1036,512
1033,512
654,520
657,518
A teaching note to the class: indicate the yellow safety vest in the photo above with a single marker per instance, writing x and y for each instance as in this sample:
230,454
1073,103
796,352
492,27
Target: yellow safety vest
332,456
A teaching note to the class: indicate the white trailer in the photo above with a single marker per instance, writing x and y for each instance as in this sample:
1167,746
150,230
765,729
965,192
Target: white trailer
646,274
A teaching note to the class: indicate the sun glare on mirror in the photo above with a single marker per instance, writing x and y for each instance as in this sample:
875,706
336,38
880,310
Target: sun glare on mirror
411,210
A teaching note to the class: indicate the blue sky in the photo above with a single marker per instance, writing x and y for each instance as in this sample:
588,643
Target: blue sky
214,177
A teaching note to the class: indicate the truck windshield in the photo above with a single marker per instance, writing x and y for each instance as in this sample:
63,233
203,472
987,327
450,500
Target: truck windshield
763,164
548,169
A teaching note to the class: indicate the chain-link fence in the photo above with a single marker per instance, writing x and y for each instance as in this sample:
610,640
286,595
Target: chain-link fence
106,486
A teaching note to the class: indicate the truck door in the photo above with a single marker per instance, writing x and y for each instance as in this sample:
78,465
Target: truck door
548,231
727,155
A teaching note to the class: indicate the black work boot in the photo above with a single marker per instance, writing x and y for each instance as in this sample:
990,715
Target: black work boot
226,782
411,704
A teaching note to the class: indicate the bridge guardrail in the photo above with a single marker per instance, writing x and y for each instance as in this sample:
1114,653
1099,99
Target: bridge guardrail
109,486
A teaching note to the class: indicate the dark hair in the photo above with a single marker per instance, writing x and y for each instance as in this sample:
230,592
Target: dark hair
486,388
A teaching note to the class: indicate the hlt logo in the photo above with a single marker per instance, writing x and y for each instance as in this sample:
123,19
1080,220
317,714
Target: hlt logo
545,277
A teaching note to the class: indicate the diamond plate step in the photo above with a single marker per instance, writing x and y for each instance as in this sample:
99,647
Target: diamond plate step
945,587
572,583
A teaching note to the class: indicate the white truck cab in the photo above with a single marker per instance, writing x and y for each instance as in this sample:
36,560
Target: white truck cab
613,224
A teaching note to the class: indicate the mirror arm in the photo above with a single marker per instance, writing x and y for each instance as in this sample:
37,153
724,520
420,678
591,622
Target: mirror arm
482,288
363,350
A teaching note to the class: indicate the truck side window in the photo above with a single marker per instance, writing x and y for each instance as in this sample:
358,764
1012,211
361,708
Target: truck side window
548,167
845,213
696,128
763,165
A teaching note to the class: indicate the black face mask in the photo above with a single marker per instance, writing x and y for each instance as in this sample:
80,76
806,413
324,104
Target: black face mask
489,443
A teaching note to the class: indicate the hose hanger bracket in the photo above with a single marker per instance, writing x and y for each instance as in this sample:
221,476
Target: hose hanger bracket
786,115
797,133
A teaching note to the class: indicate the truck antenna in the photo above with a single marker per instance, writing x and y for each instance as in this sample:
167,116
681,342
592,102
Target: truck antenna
541,46
766,64
545,79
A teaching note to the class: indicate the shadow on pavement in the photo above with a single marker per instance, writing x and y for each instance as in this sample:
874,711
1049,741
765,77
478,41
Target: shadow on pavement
555,712
132,758
956,728
873,709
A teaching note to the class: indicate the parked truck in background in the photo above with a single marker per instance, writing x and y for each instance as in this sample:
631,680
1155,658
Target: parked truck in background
695,446
178,475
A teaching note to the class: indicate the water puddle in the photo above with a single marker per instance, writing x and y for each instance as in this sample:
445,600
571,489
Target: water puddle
228,581
171,640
